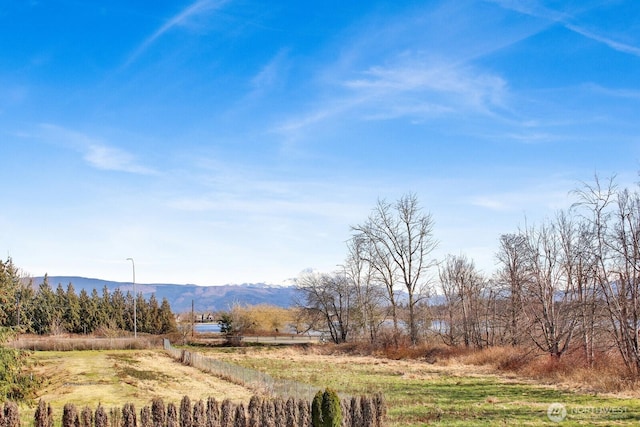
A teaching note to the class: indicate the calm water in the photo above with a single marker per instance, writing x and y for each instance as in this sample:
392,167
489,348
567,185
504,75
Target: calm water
207,327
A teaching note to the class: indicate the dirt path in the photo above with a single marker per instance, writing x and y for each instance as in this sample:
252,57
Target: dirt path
113,378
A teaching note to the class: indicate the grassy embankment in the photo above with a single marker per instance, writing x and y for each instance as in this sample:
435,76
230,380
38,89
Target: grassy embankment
447,392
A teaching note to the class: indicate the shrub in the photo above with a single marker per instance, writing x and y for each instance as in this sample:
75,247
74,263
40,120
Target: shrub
240,419
69,416
368,418
381,408
145,417
255,410
11,415
129,418
115,417
158,414
199,416
185,412
213,412
86,417
172,415
316,409
356,412
291,411
226,413
331,411
345,405
279,407
42,416
100,419
268,414
304,415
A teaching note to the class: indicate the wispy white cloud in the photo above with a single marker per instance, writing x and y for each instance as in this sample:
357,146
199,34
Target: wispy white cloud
272,73
613,44
196,8
441,83
95,152
534,8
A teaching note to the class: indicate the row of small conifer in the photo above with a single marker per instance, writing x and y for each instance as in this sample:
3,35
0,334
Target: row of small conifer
326,410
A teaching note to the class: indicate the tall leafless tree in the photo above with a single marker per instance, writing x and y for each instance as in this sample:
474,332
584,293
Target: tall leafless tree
327,298
369,310
401,238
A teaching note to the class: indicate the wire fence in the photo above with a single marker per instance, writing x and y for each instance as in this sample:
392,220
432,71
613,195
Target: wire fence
250,378
73,343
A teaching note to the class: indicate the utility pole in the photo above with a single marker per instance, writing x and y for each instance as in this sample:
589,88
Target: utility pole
135,297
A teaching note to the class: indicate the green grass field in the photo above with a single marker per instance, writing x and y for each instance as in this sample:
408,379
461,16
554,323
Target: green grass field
417,393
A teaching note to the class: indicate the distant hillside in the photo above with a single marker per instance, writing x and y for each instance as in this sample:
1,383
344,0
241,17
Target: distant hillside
205,298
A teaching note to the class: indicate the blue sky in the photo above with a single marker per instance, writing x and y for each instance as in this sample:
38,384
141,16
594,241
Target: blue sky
236,141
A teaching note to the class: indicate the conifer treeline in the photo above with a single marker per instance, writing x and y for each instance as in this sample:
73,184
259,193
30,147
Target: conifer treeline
363,411
45,310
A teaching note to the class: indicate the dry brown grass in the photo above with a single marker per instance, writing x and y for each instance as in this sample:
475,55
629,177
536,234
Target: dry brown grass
115,377
571,372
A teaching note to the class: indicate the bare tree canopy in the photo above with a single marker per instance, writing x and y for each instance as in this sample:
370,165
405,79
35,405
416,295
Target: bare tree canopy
400,240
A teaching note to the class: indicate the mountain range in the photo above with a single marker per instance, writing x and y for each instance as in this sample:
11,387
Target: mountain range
181,297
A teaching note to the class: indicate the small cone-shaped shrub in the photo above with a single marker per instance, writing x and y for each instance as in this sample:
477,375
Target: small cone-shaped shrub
11,415
240,418
199,415
368,415
316,409
115,417
129,417
355,412
172,415
304,413
291,413
100,418
331,411
70,415
268,418
186,418
158,412
145,417
213,412
255,410
279,407
86,417
345,407
226,413
41,416
381,409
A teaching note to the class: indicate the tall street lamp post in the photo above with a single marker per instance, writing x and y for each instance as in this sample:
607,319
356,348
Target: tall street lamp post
135,317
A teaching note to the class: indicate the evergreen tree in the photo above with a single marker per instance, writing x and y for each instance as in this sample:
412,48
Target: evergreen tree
199,416
9,289
213,412
86,312
101,419
98,318
158,413
71,318
86,417
44,308
186,419
166,317
119,307
142,309
153,316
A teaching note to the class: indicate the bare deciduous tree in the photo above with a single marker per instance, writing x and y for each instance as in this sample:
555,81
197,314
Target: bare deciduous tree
327,299
401,240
